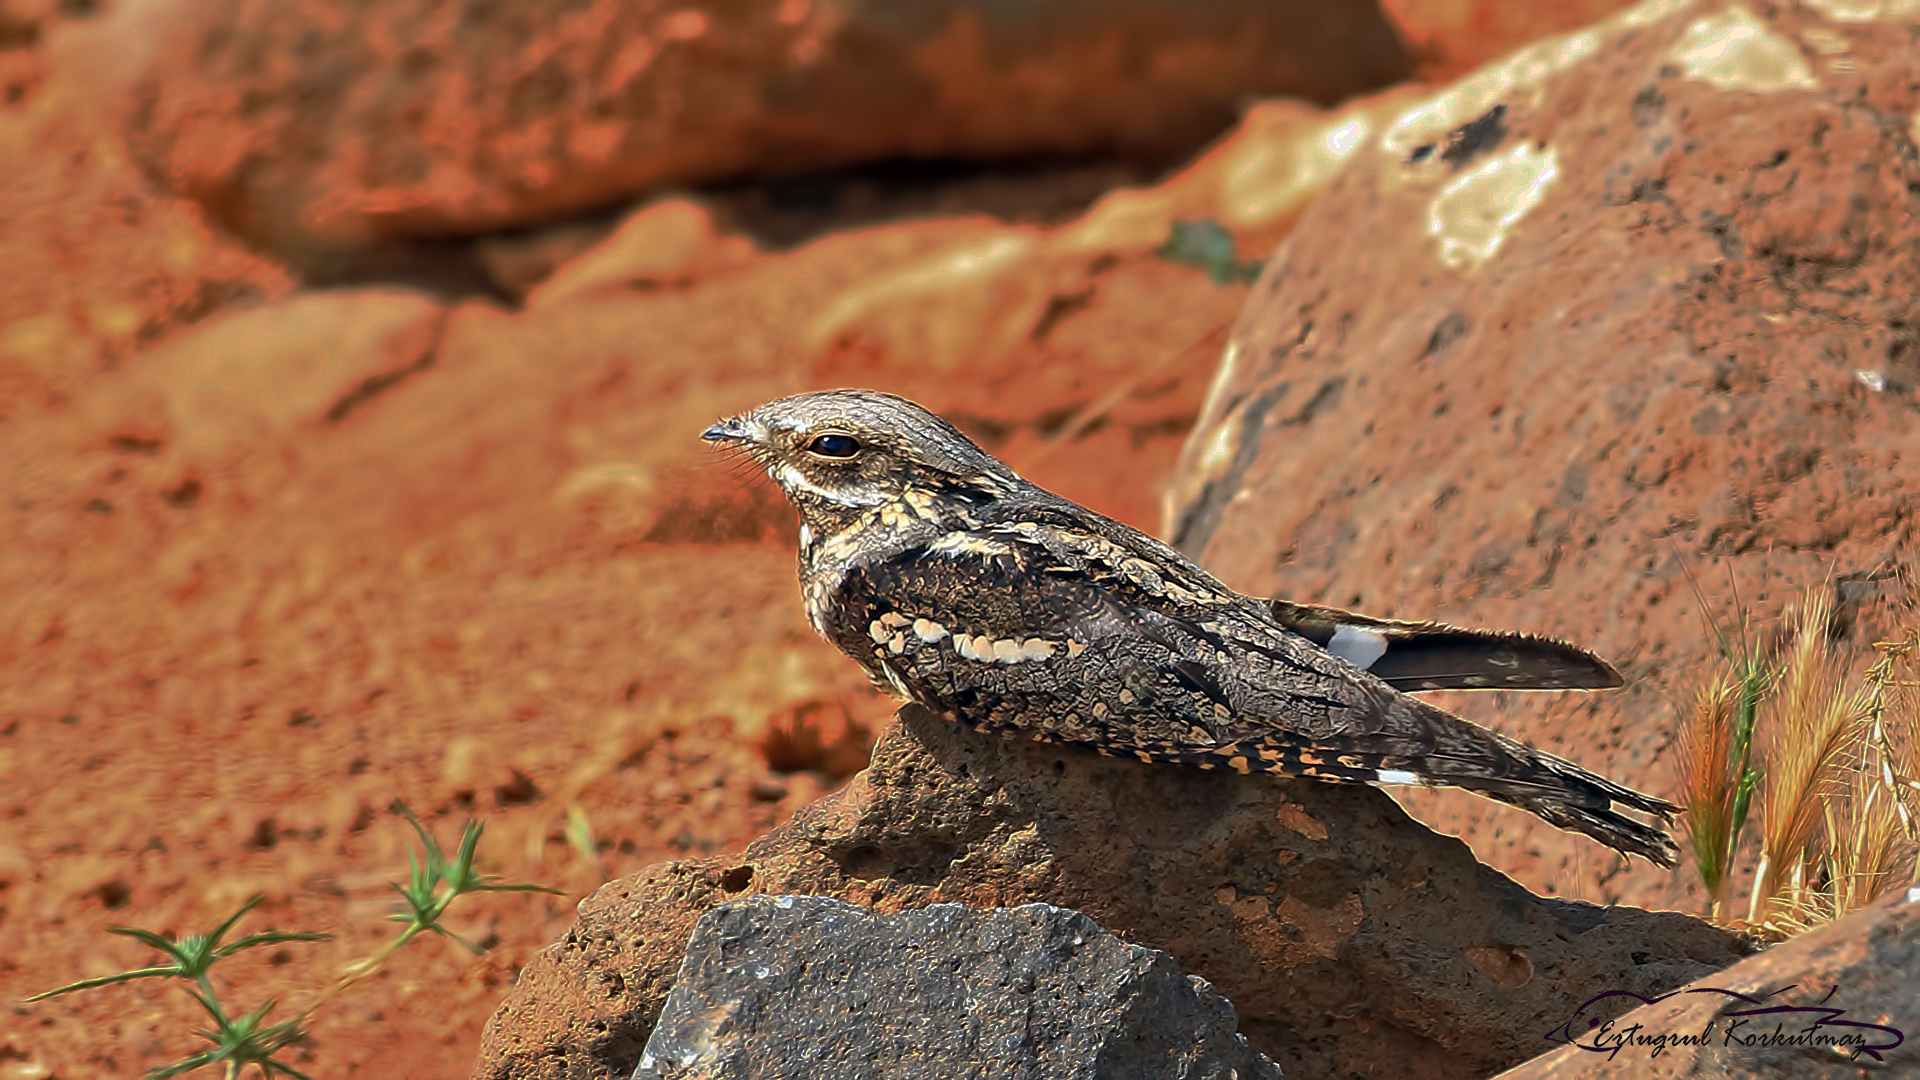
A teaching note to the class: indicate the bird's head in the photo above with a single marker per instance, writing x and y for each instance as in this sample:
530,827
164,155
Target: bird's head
839,453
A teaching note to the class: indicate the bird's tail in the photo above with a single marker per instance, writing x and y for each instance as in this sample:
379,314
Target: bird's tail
1428,746
1586,805
1559,792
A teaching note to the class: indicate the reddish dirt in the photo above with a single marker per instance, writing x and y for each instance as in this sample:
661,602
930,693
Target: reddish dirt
225,676
462,554
260,585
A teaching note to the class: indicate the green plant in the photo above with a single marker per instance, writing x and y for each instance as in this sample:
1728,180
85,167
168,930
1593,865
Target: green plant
1207,244
435,881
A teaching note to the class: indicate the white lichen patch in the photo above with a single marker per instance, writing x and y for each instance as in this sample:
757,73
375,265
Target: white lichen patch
1860,11
1734,51
1472,216
1270,178
1517,78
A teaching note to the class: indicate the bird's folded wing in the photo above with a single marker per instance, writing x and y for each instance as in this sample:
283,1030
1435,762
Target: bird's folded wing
1435,656
1049,633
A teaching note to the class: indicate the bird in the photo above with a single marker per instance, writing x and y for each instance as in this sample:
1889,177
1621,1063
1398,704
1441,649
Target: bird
957,584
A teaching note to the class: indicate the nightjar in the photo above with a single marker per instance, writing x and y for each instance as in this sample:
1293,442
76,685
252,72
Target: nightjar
961,586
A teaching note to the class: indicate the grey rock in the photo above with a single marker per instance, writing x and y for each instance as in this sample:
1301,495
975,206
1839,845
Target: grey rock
808,985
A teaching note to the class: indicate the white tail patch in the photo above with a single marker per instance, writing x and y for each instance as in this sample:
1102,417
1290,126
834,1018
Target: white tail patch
1358,645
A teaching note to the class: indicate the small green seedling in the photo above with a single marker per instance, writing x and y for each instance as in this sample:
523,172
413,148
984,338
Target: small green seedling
238,1042
434,883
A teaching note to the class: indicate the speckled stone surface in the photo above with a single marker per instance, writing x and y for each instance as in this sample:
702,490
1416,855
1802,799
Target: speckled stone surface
1838,1001
1633,303
805,985
1351,940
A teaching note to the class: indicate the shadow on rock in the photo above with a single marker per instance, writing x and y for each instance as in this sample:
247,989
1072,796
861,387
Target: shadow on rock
1352,939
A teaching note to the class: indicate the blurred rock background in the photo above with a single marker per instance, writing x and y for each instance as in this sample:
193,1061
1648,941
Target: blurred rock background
353,358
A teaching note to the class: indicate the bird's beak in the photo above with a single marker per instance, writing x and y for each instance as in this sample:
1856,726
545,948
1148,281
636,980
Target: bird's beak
731,430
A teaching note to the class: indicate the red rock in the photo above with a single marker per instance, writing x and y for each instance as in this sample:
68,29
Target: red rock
518,561
329,124
301,362
1351,940
1449,38
1652,311
664,245
98,263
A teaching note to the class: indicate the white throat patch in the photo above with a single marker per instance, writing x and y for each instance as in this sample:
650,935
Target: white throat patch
790,477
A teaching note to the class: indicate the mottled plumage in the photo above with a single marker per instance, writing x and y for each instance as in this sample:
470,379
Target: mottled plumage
957,584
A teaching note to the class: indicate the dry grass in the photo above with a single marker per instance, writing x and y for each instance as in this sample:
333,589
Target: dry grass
1711,765
1716,750
1838,790
1817,729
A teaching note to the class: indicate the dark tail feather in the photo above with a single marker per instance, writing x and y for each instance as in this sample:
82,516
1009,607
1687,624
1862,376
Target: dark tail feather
1622,834
1434,656
1569,797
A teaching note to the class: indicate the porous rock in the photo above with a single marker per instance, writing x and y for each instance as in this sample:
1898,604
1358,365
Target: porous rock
335,123
1836,1001
772,986
1351,939
1632,302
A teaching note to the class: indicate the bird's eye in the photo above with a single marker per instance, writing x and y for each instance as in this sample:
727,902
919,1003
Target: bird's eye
842,446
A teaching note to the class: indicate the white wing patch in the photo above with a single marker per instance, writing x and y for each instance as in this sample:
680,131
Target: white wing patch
899,684
1358,646
1005,650
955,544
1396,776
